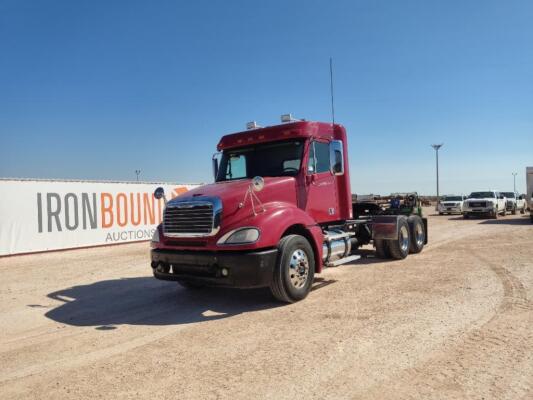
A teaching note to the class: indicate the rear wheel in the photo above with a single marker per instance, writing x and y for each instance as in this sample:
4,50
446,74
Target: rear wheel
294,271
417,234
399,247
382,248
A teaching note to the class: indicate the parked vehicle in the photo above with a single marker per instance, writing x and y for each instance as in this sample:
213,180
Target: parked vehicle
488,203
511,203
529,193
521,203
280,211
451,204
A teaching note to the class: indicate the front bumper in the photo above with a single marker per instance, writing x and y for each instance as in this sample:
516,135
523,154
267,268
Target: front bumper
479,211
449,209
246,269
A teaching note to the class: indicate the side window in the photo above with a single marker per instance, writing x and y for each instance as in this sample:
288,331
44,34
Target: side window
236,168
318,158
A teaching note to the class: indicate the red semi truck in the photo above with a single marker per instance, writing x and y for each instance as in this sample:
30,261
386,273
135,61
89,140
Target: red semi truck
279,211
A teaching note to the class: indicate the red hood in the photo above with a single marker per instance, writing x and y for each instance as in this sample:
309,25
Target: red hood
232,193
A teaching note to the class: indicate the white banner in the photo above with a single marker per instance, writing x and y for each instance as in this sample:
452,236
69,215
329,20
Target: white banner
39,215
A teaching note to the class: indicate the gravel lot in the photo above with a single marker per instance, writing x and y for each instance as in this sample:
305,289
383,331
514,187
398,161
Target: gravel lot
453,322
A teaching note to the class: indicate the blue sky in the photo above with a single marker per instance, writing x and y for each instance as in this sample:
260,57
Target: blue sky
95,90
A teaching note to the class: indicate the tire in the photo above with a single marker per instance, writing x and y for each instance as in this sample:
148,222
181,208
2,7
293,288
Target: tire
531,218
190,285
294,271
513,212
523,210
440,213
494,214
417,234
382,249
465,216
399,248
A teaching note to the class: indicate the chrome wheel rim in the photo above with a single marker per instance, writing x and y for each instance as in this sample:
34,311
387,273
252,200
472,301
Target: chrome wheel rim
404,238
419,235
298,268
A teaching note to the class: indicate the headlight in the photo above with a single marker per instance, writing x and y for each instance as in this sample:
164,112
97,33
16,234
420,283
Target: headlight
240,236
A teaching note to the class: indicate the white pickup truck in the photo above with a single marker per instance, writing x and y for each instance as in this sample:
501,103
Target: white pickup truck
451,204
514,202
489,203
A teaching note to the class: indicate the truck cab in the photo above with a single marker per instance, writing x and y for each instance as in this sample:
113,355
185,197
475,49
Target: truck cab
280,210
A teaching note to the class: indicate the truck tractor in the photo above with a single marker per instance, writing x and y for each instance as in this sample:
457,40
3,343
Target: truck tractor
279,212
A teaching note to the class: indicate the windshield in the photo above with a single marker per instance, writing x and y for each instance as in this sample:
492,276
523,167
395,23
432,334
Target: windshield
481,195
452,198
270,159
509,195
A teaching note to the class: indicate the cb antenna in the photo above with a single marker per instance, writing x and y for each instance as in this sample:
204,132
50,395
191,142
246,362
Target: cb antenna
331,89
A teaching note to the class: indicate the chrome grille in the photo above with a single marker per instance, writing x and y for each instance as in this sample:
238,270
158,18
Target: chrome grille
188,219
477,204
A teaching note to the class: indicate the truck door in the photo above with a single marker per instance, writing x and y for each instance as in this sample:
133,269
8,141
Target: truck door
321,185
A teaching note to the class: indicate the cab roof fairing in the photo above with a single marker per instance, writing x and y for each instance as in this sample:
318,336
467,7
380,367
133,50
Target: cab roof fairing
291,130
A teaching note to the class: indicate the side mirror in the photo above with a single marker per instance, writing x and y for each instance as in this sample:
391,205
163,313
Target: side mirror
159,193
215,158
336,157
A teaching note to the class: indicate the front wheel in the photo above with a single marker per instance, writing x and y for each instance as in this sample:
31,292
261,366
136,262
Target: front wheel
514,211
294,271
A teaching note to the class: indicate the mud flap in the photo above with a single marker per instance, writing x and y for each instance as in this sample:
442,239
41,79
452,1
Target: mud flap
385,227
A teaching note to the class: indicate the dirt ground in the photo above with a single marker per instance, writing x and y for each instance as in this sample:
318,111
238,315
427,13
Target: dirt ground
453,322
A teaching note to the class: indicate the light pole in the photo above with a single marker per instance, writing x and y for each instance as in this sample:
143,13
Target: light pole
137,172
514,181
437,147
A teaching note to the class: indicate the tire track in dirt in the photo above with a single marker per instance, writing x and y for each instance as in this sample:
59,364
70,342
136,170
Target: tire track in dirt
492,361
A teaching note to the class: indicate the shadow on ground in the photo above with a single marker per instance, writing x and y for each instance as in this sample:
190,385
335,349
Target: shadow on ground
147,301
523,220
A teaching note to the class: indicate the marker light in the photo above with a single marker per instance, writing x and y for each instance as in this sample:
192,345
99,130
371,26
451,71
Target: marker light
252,125
287,118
